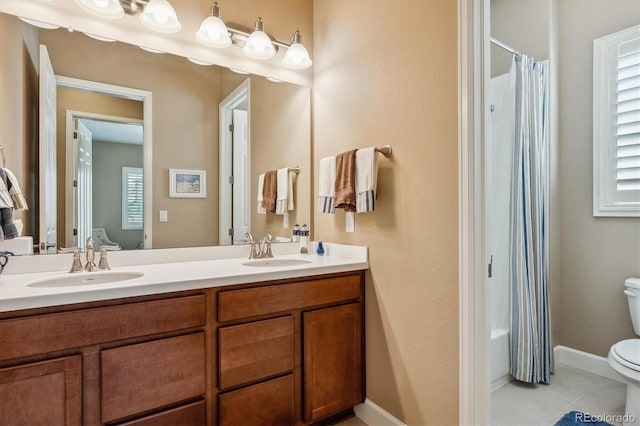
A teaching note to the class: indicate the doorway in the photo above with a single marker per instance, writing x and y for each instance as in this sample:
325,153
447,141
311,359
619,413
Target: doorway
235,162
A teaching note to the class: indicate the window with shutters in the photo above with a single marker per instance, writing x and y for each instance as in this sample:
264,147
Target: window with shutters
132,196
616,124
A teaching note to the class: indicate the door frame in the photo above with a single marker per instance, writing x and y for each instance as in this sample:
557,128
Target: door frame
225,214
70,116
146,98
473,76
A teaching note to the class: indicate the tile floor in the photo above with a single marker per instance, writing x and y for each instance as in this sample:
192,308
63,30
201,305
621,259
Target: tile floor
519,404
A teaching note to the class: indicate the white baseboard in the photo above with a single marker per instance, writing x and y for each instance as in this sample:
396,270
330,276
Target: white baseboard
374,415
585,361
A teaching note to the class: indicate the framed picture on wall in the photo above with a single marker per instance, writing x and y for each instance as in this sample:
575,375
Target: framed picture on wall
187,183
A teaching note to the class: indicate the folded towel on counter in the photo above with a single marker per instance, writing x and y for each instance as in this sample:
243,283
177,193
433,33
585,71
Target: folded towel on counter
345,185
270,190
259,207
19,202
284,197
326,183
366,179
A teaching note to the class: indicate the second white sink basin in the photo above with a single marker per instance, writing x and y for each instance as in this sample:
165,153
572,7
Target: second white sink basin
88,278
275,262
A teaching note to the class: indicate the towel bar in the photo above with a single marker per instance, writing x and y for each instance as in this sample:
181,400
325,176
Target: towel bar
385,150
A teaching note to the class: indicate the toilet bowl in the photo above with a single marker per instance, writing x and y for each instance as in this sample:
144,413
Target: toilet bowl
624,356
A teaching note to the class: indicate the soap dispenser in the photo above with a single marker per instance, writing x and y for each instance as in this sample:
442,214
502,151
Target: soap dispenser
304,240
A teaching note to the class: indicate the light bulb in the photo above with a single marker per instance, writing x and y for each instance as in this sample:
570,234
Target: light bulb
213,32
103,4
160,16
259,45
297,56
110,9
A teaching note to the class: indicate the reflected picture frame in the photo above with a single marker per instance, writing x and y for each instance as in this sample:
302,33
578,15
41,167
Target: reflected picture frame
185,183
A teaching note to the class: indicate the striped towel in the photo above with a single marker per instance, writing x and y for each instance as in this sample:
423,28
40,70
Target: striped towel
284,198
366,179
326,182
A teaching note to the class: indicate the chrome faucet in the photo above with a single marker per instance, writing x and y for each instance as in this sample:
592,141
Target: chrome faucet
264,249
90,265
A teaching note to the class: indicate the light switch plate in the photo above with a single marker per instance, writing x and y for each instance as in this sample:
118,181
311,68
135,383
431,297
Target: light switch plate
164,216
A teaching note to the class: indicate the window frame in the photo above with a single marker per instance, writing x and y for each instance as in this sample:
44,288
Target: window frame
607,199
126,224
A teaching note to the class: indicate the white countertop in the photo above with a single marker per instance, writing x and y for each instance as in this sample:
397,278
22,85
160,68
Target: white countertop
163,277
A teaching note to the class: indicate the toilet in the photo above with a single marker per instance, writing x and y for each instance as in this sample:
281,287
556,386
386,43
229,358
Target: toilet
624,356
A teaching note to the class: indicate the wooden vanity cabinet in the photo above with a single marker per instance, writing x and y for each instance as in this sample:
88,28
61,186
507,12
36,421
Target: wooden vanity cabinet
273,353
292,352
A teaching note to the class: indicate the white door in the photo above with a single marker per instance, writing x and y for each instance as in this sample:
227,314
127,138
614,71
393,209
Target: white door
47,145
241,193
83,184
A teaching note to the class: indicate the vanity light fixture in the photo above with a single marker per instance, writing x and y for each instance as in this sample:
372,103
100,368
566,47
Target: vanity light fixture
213,32
38,24
199,62
101,38
159,15
110,9
297,56
259,45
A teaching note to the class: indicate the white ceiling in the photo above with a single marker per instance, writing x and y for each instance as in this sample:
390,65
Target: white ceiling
108,131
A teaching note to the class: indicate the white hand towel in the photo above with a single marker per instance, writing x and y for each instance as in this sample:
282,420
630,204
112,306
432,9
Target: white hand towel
366,179
260,209
284,200
326,184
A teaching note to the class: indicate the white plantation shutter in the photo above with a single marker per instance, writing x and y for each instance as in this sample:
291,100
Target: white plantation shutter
616,124
628,117
132,196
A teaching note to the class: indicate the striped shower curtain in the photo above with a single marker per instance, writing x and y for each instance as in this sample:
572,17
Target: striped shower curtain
531,353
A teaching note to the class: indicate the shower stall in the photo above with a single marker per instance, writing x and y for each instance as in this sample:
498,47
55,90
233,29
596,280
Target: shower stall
516,163
498,174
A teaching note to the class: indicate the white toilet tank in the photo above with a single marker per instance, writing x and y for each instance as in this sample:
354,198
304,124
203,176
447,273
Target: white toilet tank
632,290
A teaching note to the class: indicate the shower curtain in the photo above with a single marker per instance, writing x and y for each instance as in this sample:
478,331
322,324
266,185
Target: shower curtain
531,353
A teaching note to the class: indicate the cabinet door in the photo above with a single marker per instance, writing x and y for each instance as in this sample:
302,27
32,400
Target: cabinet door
333,360
43,393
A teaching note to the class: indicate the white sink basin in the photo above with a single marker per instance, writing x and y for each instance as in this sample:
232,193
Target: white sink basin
272,263
88,278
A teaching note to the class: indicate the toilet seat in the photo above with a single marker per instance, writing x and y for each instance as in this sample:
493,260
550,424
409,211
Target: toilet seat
627,353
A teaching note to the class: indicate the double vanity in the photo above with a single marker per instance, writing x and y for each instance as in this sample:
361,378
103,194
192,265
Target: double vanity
200,342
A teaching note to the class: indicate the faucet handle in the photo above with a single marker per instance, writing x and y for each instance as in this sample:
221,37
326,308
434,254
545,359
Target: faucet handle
76,266
254,251
103,265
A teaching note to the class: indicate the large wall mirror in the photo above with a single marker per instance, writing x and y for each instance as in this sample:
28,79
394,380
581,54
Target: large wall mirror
111,148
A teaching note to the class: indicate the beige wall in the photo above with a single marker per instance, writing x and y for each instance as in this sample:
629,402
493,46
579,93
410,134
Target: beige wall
185,123
82,101
597,253
19,108
108,160
387,74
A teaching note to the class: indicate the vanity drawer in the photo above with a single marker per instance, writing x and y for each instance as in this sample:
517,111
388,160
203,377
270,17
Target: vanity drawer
249,302
141,377
52,332
264,404
188,415
254,351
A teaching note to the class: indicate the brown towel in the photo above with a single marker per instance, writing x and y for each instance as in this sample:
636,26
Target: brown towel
270,190
345,185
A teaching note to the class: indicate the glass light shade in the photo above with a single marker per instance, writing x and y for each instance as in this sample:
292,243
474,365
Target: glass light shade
297,57
149,49
101,38
199,62
213,32
110,9
259,46
159,15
